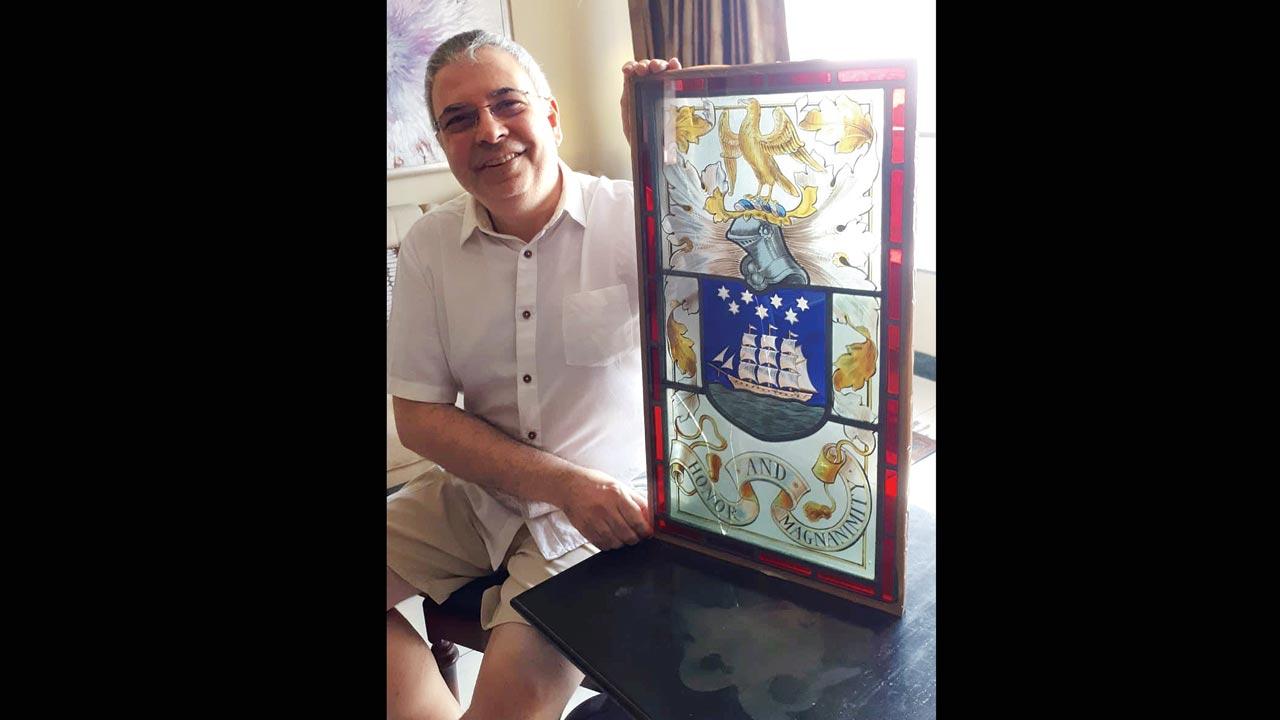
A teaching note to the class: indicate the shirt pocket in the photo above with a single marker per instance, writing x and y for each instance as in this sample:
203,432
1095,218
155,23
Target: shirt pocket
598,326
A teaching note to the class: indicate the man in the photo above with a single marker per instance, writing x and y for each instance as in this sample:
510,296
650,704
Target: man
521,294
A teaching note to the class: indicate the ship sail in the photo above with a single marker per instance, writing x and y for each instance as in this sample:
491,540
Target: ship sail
720,357
728,364
747,370
787,379
788,362
767,375
748,354
748,339
788,346
769,357
767,341
802,369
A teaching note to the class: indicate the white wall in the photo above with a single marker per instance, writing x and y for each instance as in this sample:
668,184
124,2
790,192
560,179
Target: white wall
924,329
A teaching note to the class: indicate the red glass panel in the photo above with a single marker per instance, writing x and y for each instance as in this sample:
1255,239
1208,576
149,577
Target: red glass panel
888,557
744,81
662,523
896,181
809,78
872,74
895,285
657,366
785,565
891,483
841,582
893,410
899,107
662,485
685,533
893,373
651,244
691,84
648,198
893,337
899,137
657,431
890,438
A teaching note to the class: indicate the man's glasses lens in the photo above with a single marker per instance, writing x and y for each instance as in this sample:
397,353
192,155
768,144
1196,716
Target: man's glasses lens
511,105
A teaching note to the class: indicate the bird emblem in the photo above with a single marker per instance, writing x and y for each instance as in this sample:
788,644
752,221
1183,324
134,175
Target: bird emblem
759,150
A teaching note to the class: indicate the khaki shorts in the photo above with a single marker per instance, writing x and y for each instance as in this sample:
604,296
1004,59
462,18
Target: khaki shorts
432,543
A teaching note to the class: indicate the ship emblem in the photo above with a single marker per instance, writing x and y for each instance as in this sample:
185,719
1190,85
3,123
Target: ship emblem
760,378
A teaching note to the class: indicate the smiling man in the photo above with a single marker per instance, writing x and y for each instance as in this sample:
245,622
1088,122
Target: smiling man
522,295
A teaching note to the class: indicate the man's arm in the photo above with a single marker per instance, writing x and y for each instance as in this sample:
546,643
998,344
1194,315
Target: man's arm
605,511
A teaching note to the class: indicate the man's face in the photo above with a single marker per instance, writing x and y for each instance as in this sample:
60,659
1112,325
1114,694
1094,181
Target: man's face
511,159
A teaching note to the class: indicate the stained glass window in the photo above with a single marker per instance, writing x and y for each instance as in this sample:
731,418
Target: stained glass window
774,228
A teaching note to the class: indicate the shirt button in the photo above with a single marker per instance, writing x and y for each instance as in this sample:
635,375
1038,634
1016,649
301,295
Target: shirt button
528,253
532,435
526,314
528,378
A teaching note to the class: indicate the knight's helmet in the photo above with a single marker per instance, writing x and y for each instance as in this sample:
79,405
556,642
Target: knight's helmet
768,261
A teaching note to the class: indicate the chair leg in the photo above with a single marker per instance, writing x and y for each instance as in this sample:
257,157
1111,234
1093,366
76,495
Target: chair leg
446,655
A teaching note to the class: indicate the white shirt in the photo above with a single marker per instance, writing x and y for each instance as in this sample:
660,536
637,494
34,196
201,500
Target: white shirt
457,325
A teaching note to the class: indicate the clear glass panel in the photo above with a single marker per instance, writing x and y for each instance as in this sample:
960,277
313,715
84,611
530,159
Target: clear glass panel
683,336
775,188
855,357
812,498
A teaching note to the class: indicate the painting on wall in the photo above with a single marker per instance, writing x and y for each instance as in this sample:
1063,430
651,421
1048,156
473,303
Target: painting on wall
773,211
415,28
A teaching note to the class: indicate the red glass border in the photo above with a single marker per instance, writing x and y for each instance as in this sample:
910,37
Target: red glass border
787,565
853,75
662,487
659,446
897,183
846,584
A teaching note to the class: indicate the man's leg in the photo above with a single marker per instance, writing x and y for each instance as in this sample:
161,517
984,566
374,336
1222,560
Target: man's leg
522,677
415,688
431,541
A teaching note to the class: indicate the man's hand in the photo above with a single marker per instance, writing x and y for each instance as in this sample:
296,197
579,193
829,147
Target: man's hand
639,68
605,511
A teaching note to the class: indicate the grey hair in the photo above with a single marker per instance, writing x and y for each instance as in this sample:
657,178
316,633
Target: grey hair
467,43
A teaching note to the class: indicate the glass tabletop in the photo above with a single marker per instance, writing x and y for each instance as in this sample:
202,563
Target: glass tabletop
670,633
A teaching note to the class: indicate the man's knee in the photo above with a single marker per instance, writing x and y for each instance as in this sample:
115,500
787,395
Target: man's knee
522,676
398,589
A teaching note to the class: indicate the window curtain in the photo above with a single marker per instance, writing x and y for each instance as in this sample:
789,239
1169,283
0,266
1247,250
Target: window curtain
710,32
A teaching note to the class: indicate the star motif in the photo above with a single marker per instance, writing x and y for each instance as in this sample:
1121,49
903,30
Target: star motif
791,316
776,301
747,297
733,308
761,312
802,304
723,293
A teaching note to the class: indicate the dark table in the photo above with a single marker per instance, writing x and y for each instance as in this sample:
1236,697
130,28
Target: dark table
670,633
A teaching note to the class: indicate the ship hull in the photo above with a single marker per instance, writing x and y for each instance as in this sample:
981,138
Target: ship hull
740,384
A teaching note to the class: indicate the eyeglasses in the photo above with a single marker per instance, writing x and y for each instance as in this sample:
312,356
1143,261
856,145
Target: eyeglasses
465,118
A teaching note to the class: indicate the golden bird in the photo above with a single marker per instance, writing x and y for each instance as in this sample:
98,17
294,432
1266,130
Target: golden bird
758,150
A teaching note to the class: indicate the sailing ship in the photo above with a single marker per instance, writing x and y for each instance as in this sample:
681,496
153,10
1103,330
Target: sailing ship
766,369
